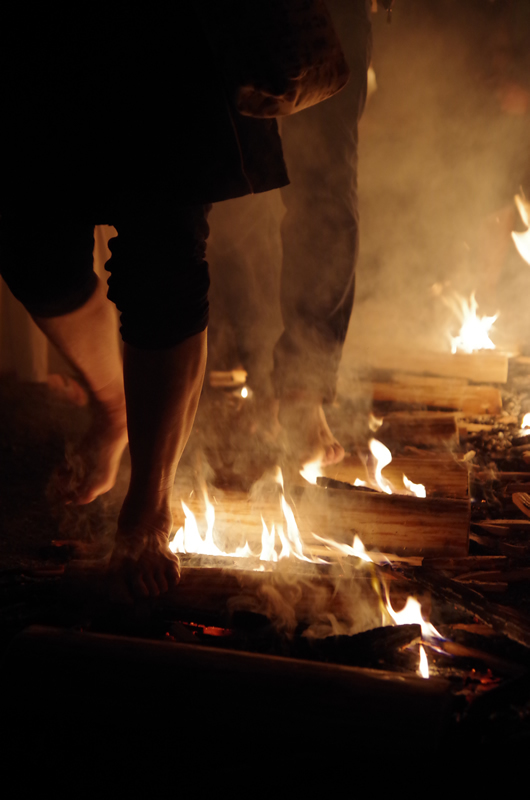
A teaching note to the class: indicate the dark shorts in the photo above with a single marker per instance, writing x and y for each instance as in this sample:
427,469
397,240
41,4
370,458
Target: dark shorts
158,273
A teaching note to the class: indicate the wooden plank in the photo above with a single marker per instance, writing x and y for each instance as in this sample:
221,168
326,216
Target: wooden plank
404,525
442,475
390,523
425,428
485,366
434,393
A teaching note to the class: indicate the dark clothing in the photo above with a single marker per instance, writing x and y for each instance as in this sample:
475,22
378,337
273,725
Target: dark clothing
319,239
159,275
105,105
320,230
116,113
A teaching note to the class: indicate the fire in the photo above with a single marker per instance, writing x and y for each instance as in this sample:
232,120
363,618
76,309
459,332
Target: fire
522,240
526,421
415,488
423,668
383,458
411,614
188,539
311,471
474,329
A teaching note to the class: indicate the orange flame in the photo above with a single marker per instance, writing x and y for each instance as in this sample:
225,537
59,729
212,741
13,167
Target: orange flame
474,329
522,240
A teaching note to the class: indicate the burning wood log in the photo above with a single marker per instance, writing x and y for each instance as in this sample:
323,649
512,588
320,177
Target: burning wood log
502,619
391,523
483,366
435,393
442,475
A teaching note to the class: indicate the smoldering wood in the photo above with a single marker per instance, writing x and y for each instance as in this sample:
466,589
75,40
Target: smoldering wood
480,367
67,675
434,393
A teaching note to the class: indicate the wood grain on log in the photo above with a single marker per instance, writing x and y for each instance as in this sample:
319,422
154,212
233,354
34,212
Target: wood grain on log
481,367
441,475
424,428
390,523
435,393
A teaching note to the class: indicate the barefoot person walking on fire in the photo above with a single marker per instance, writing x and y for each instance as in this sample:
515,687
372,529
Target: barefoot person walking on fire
175,143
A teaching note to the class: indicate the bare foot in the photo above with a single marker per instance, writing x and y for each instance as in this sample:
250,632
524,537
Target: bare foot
142,565
307,432
90,469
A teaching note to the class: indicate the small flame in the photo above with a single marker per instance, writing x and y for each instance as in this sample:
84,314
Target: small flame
383,457
410,615
244,392
415,488
522,240
423,668
526,421
374,423
311,471
474,330
358,550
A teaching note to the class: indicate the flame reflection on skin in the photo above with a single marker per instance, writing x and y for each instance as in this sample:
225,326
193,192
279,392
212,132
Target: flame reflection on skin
522,240
474,329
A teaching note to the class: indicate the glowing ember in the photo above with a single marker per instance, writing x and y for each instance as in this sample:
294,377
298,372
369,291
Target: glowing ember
474,331
423,668
415,488
311,471
522,240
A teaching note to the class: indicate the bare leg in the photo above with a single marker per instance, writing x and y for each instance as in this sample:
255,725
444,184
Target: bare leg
162,389
87,338
307,432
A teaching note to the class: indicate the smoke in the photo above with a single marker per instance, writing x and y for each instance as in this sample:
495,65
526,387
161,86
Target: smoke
341,602
440,160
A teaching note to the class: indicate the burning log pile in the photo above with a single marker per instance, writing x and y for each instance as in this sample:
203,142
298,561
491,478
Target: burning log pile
303,579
